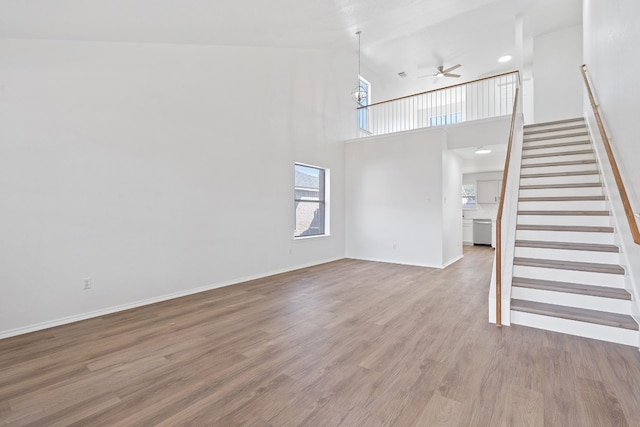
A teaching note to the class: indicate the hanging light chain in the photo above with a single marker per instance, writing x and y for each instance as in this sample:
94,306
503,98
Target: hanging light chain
359,94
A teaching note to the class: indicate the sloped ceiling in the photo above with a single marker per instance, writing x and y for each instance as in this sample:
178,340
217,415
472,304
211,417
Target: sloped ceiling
397,35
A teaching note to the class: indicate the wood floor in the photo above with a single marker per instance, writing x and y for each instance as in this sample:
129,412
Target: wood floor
349,343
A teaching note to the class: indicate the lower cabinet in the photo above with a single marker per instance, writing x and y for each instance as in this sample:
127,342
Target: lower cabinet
467,231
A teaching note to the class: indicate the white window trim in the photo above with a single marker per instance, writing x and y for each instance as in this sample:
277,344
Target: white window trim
327,206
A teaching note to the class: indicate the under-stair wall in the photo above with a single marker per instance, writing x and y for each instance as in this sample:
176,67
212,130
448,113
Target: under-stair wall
630,250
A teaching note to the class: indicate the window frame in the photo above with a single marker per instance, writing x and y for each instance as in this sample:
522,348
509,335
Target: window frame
363,113
475,196
322,201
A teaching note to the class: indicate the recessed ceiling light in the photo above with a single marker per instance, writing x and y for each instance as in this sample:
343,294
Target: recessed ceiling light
505,58
482,150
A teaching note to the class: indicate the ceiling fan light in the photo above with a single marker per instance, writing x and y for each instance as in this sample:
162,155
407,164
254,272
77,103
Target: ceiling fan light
482,150
440,74
505,58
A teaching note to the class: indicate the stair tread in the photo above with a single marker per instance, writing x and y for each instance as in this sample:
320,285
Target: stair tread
562,198
579,314
592,267
575,228
554,122
556,174
564,135
565,163
559,154
572,288
596,247
556,144
564,213
568,185
558,129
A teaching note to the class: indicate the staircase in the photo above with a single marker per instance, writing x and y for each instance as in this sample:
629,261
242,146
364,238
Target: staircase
566,274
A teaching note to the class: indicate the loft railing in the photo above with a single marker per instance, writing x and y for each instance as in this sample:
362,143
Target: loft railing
478,99
505,175
628,211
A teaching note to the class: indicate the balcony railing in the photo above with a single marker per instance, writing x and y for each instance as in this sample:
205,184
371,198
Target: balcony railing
478,99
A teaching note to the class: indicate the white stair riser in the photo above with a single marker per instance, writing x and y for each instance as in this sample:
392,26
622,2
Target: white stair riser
559,169
570,276
572,300
557,126
591,220
568,255
572,327
565,236
554,130
548,150
554,137
567,158
527,144
567,179
575,121
550,126
573,205
561,192
549,132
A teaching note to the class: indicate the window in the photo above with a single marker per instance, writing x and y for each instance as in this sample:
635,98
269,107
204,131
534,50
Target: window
310,200
363,113
446,119
468,196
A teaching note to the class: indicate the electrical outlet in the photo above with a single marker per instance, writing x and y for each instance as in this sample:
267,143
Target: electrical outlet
86,283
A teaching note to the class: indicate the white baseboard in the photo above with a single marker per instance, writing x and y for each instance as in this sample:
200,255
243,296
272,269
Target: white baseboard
110,310
399,262
456,259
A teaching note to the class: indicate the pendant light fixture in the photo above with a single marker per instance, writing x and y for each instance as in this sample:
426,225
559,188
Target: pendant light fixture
359,94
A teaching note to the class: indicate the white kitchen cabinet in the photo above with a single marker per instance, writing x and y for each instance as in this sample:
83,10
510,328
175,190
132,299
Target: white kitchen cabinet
467,231
488,191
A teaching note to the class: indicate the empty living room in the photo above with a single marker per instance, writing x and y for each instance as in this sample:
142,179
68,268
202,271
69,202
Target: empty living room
222,213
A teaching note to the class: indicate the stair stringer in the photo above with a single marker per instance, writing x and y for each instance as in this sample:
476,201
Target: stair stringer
629,250
509,217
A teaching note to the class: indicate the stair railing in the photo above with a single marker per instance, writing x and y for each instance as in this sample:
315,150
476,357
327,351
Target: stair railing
505,174
633,225
479,99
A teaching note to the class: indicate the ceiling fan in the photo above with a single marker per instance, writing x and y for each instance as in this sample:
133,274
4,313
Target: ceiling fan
444,73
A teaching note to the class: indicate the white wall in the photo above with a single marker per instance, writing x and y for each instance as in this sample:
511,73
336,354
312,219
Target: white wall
611,38
157,170
611,43
394,193
479,133
451,207
556,74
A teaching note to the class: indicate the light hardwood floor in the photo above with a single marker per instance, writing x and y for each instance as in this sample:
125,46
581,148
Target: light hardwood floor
348,343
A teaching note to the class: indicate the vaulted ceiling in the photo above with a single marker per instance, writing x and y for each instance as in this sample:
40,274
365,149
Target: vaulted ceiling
397,35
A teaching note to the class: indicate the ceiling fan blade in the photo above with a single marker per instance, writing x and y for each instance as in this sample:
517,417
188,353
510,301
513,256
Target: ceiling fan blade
448,70
451,75
451,68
